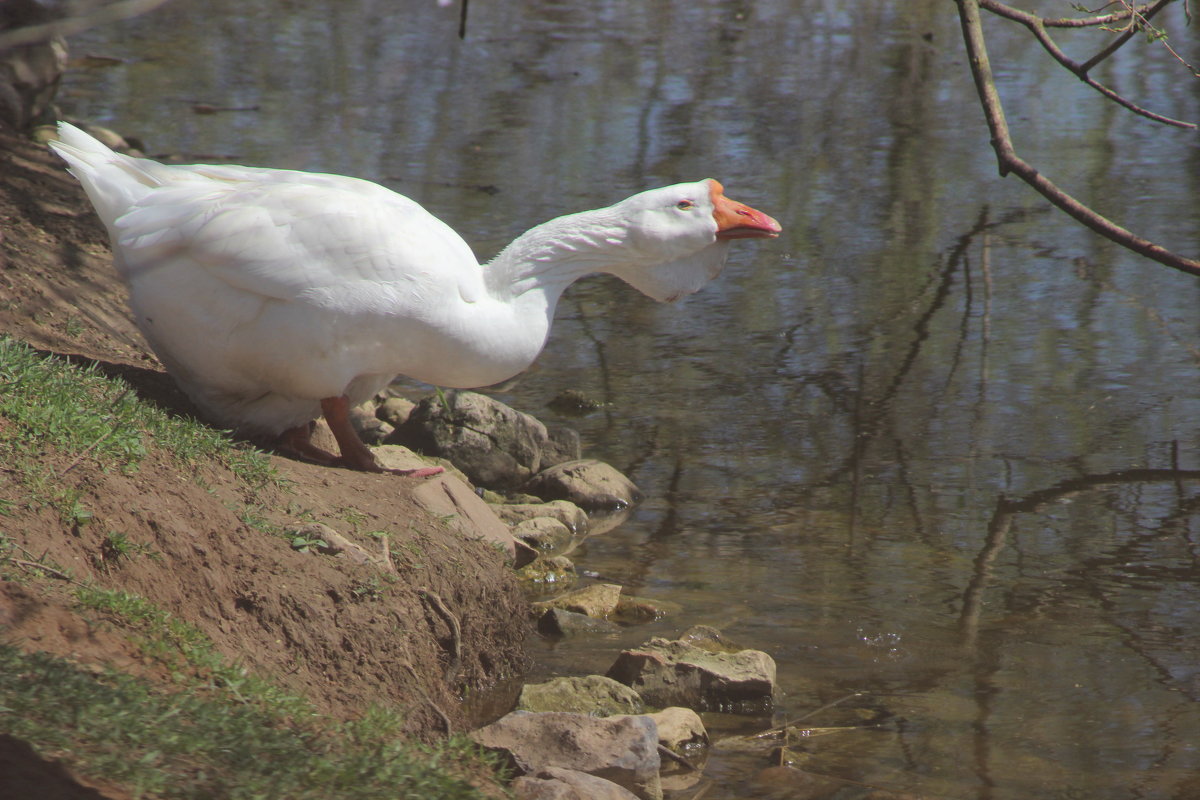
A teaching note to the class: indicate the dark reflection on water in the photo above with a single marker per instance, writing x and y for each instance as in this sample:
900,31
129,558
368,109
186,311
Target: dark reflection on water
935,445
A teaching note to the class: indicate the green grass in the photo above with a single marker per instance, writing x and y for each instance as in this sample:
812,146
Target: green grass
189,744
211,728
79,412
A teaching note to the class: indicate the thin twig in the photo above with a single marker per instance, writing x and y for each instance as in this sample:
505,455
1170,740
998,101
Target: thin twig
1037,26
100,439
806,715
32,565
436,708
71,25
455,633
663,750
1009,161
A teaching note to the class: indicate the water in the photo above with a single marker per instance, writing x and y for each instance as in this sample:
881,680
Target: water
935,445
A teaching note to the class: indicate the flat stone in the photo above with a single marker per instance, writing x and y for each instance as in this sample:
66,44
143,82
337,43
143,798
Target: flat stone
451,500
587,483
589,694
555,783
545,534
549,571
597,600
564,511
667,673
623,750
557,622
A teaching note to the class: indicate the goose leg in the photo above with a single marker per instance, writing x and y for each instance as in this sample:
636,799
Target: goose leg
355,454
297,441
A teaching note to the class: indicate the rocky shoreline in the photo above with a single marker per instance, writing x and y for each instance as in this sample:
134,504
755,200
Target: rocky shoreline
526,490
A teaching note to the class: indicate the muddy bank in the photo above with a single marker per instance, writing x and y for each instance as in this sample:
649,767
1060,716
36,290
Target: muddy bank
446,622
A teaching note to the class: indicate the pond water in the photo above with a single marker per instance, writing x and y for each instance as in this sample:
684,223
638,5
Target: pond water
936,445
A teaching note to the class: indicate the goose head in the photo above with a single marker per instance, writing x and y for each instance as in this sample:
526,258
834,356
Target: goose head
677,237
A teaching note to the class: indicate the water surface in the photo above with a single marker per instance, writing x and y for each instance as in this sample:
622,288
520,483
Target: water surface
935,445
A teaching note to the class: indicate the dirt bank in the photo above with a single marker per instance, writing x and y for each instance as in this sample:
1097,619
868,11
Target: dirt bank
212,552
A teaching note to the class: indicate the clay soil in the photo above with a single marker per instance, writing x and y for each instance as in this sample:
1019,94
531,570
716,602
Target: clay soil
342,635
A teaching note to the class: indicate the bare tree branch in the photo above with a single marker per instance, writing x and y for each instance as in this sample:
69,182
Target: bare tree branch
81,18
1009,161
1037,26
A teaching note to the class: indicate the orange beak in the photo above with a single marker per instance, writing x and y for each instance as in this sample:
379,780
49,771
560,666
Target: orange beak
739,221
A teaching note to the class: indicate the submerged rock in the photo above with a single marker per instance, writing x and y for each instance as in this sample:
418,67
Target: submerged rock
587,483
640,610
545,534
549,571
590,694
623,750
564,511
679,728
555,783
598,600
667,673
557,622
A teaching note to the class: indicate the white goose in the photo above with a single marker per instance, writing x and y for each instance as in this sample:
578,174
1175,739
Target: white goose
275,296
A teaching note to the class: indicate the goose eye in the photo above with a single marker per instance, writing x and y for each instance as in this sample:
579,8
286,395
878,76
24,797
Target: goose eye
684,205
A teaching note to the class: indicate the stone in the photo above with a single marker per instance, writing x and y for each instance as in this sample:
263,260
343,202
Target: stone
597,600
679,728
564,511
559,623
369,427
563,444
587,483
667,673
395,410
709,638
448,498
641,610
549,571
544,534
555,783
589,694
623,750
496,446
335,544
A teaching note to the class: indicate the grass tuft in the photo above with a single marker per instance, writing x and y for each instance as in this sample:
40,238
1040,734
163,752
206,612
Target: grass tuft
51,403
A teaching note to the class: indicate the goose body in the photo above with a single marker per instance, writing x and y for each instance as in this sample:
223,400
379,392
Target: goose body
275,296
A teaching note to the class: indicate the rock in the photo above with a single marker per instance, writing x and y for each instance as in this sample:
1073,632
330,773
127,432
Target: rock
679,728
557,622
709,638
395,410
496,446
549,571
622,750
640,610
544,534
590,694
573,401
587,483
564,511
555,783
30,73
563,445
332,543
370,428
597,600
448,498
668,673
